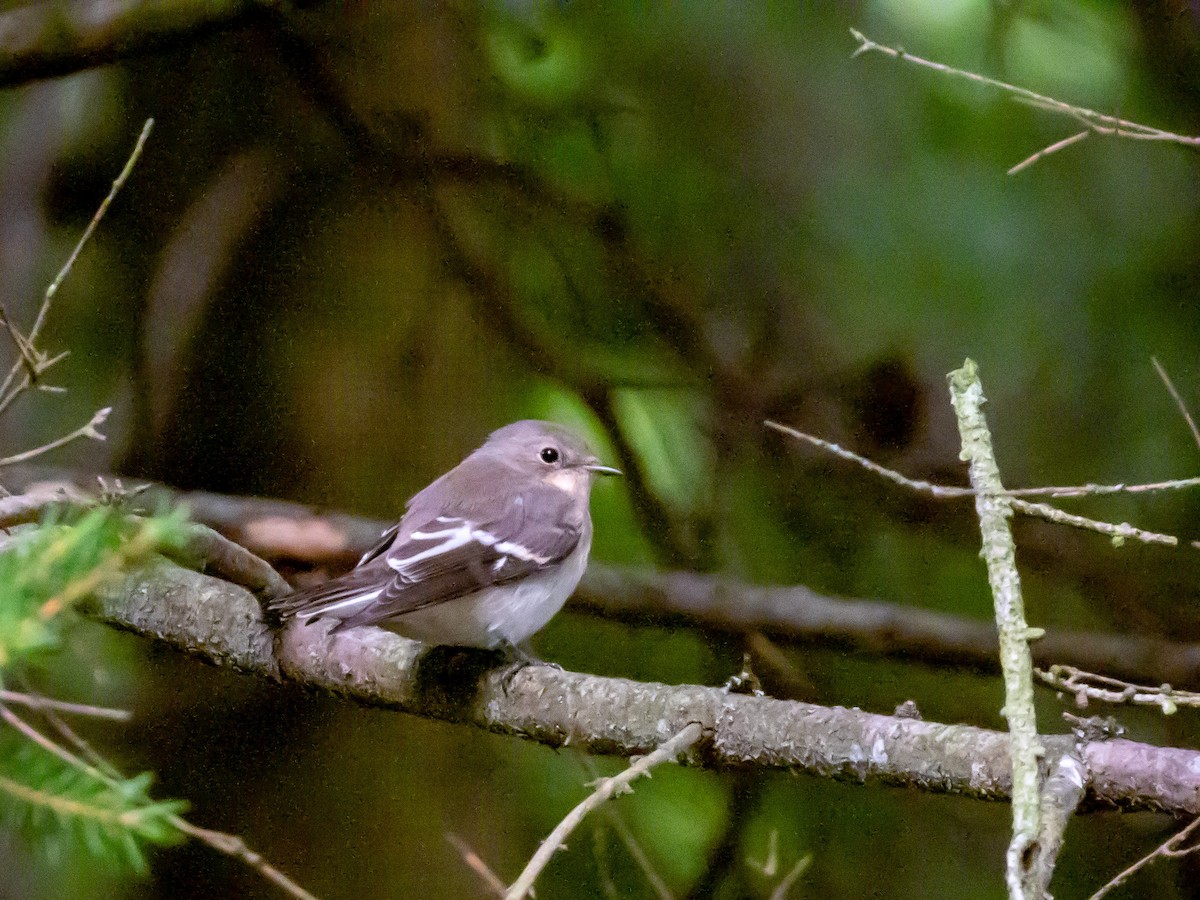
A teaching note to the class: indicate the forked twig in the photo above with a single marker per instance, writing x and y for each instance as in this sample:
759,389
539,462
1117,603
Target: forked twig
1118,533
52,289
1089,117
1168,848
1092,121
90,430
1060,492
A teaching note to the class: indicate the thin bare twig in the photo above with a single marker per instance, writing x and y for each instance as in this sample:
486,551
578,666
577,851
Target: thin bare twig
913,484
617,821
52,289
1046,151
52,747
1061,492
84,431
1187,416
770,866
606,789
1096,121
794,873
1065,492
1092,121
1167,848
117,184
1119,532
34,701
232,845
1086,117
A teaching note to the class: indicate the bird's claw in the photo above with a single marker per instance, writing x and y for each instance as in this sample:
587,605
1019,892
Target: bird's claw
519,658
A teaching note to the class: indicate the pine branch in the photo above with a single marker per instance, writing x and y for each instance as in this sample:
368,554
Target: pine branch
47,570
59,803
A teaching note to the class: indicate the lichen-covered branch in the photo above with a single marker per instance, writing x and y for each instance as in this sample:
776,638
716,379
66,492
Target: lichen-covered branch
224,624
1000,555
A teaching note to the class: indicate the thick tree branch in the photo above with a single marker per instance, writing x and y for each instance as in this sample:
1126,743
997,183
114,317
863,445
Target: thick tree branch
798,614
224,624
279,530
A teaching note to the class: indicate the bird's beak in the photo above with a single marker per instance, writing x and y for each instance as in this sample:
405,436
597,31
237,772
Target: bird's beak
602,470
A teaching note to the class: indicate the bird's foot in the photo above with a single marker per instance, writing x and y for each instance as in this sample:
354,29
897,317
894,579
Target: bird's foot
518,658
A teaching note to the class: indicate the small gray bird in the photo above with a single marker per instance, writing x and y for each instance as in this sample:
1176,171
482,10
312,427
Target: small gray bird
484,556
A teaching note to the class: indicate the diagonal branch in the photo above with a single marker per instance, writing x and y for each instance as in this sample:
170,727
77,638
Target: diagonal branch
30,358
1101,123
47,39
605,790
1170,847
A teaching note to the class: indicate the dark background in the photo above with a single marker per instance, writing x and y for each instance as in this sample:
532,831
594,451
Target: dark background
363,235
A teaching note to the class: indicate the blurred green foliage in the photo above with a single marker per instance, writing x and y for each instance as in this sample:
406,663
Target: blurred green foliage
366,234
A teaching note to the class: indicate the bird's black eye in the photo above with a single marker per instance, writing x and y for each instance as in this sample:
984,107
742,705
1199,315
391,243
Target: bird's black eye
549,455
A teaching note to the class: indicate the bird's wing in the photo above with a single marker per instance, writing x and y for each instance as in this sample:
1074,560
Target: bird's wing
386,539
360,580
443,559
348,592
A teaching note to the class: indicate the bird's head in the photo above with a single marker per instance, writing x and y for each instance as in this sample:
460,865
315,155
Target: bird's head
547,451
